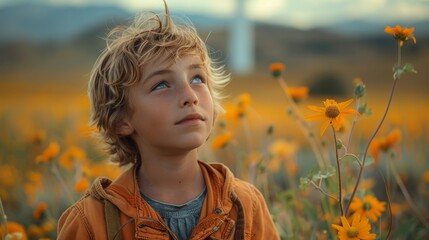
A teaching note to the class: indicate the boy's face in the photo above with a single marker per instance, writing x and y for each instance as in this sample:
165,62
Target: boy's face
171,107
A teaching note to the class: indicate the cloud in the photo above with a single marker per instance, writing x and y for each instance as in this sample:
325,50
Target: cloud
299,13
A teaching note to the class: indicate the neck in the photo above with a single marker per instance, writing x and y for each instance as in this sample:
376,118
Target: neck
172,179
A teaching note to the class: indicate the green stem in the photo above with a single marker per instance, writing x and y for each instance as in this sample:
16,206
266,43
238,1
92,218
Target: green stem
57,174
340,197
369,143
389,204
399,54
310,137
3,216
407,195
353,125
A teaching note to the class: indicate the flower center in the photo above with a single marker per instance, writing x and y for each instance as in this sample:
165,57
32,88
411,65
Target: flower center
367,206
352,232
332,111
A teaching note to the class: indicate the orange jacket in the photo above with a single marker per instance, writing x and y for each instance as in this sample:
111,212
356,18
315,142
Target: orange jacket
232,209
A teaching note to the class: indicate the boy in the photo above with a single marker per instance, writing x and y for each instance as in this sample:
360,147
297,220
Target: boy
154,94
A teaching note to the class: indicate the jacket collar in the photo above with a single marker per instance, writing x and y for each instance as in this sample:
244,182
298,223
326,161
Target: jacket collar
124,192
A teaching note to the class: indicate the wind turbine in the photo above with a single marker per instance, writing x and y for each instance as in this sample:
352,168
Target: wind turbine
241,50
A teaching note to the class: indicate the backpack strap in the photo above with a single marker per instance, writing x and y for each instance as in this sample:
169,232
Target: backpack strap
240,224
111,214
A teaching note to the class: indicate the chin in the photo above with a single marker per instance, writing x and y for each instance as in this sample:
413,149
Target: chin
193,142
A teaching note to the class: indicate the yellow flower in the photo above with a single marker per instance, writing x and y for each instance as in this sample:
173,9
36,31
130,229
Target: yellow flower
384,143
283,152
47,226
50,152
333,112
221,141
94,170
392,138
283,149
8,175
358,230
298,93
234,112
426,177
276,69
38,136
15,231
396,208
35,177
243,104
40,211
81,185
402,34
368,207
71,155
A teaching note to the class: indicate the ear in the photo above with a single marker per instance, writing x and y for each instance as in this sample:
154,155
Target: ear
124,127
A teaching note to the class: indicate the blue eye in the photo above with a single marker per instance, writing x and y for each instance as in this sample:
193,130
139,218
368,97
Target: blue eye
197,79
160,86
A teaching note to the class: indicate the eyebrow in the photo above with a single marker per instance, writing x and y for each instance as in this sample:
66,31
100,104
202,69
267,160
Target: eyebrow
164,71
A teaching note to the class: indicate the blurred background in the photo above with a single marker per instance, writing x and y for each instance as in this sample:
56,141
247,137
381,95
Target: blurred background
48,47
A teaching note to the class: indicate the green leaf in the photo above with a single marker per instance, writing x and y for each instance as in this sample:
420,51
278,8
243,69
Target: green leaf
399,71
339,144
303,183
364,109
329,173
409,68
349,158
286,197
270,129
360,90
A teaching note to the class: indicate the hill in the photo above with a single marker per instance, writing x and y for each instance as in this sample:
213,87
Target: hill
324,55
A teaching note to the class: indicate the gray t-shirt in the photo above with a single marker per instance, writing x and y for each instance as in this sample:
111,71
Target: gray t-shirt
181,219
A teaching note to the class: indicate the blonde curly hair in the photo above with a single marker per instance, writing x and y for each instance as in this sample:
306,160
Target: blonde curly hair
148,38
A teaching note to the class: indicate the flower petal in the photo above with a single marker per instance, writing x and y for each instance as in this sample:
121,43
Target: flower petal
344,222
389,30
348,111
324,126
343,105
316,117
316,108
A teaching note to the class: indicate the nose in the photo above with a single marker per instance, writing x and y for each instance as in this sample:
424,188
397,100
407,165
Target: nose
188,96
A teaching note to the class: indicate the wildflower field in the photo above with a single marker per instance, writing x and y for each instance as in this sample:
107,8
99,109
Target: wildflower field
330,167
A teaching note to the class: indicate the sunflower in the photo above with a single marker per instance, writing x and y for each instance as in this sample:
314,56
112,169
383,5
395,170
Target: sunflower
402,34
369,207
333,112
358,230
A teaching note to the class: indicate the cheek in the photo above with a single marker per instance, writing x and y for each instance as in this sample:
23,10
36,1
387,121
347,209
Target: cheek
209,104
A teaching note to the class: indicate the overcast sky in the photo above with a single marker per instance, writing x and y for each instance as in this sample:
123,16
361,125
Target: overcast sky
299,13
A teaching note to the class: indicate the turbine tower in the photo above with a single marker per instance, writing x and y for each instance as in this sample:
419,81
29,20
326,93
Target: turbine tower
241,55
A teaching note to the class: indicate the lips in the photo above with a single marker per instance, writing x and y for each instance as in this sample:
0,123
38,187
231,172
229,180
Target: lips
190,118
